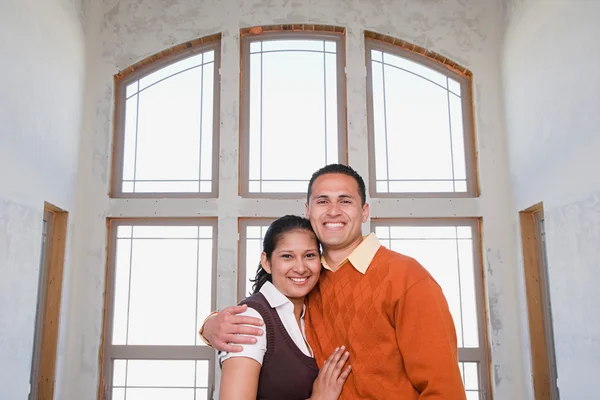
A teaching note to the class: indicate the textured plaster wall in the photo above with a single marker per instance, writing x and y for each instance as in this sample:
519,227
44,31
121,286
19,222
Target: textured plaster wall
42,47
120,33
551,60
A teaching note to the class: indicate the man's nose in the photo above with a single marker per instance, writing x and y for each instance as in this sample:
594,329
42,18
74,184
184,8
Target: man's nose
333,209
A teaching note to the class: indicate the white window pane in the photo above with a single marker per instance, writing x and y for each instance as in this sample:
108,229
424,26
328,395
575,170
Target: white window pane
209,56
382,232
164,232
464,232
415,68
330,46
472,395
121,296
254,241
382,187
417,116
205,187
159,394
131,89
253,251
168,144
201,394
376,56
255,46
206,145
420,186
124,231
460,186
379,127
119,372
292,90
166,187
423,232
311,45
458,142
471,377
204,283
454,86
118,394
202,373
254,187
253,232
171,265
131,115
255,123
285,186
467,290
205,232
161,373
331,109
170,70
127,187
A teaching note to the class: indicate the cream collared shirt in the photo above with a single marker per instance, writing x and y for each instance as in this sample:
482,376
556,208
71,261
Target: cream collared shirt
361,257
285,310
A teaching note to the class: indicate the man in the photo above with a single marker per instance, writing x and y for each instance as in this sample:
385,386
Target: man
383,306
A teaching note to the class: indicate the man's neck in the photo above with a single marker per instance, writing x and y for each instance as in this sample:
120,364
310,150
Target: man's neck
334,257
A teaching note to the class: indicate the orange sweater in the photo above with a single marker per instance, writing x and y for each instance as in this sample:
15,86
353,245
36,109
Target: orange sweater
396,324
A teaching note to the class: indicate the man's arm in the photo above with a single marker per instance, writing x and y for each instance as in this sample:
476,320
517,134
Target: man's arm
427,339
227,327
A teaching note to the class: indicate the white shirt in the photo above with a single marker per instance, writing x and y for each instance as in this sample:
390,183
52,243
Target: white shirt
285,310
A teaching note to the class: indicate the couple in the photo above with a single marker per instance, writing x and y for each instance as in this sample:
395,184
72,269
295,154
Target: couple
379,310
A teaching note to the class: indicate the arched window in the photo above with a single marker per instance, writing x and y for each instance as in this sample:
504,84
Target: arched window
166,125
420,125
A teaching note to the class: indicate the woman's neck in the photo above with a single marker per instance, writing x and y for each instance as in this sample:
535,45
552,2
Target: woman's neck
298,306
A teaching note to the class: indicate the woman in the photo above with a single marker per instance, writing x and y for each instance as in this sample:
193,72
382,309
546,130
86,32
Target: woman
280,364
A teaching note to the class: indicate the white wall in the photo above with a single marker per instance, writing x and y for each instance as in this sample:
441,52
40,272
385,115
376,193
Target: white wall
42,69
551,85
120,33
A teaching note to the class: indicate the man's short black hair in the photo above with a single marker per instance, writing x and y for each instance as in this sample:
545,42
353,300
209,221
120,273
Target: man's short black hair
339,169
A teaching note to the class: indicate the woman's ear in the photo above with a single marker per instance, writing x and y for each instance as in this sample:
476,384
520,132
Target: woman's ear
265,262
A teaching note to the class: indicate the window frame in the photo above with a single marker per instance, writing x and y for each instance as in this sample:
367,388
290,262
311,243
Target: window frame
247,37
109,352
142,69
465,81
465,354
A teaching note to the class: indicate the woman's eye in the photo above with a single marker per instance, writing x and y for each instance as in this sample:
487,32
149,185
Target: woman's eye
286,256
311,255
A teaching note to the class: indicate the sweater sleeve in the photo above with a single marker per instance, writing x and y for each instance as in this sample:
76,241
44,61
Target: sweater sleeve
427,340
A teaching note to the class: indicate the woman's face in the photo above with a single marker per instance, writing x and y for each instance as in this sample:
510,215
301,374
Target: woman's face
295,264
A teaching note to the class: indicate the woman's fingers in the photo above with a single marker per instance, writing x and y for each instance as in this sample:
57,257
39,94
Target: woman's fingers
344,375
342,358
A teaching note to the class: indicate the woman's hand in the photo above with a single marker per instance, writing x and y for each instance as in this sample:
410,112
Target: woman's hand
332,376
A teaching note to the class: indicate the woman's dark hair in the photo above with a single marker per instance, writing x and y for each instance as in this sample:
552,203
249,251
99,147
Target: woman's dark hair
276,230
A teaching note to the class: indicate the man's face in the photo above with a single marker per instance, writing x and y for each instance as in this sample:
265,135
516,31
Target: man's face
335,211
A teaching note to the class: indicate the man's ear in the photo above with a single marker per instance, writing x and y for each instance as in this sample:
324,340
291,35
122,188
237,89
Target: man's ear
365,212
265,262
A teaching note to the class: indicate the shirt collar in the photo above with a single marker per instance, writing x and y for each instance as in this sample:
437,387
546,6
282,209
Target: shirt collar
277,299
361,257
